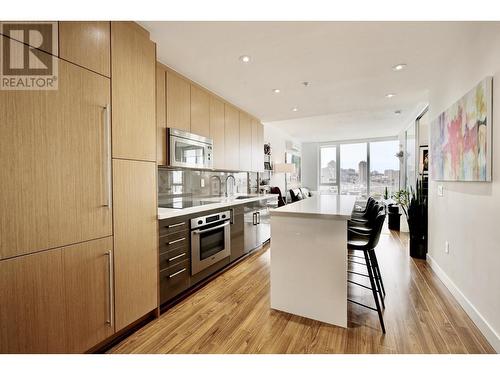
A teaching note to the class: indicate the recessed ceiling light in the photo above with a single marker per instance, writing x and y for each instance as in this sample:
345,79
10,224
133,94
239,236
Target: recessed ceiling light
306,84
398,112
276,91
295,109
390,95
398,67
245,58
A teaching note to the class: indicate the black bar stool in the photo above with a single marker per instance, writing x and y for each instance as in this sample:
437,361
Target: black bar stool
366,243
362,212
364,227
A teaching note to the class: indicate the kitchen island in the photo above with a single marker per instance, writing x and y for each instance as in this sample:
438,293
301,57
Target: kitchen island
309,258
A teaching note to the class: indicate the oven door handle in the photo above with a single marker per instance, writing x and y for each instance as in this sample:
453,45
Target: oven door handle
213,228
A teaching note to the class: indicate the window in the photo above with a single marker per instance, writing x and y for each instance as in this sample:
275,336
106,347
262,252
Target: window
359,168
328,170
384,168
353,169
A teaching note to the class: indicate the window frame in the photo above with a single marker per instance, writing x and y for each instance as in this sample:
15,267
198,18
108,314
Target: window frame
337,144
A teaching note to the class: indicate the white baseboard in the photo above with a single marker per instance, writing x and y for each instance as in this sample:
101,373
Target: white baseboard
485,328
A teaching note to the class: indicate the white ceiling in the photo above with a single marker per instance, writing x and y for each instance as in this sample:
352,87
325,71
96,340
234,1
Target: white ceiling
348,65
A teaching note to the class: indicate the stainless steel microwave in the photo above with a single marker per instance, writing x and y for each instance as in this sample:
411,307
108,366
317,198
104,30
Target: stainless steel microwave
189,150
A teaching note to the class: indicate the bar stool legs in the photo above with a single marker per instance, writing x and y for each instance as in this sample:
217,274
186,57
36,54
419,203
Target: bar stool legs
376,268
374,291
373,260
375,282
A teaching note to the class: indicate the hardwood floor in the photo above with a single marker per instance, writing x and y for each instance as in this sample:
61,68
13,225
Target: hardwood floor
232,315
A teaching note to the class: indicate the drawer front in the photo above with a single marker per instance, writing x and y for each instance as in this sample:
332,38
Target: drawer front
171,258
173,226
174,241
174,280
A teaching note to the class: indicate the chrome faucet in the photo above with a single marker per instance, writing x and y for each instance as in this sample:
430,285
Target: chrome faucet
220,185
234,183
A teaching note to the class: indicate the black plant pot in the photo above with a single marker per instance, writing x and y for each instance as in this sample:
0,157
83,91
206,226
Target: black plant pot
418,248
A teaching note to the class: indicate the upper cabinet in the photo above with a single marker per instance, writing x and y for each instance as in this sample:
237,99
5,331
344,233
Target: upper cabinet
245,142
217,132
161,115
86,44
200,111
232,138
194,109
133,68
178,102
257,146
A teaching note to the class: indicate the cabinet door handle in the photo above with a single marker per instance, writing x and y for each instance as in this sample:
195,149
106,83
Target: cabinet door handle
175,225
177,257
111,311
107,159
175,241
176,273
232,215
258,217
254,219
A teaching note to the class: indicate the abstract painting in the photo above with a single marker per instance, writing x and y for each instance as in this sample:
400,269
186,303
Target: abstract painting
461,138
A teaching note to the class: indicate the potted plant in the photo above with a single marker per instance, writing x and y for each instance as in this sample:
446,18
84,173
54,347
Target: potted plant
414,205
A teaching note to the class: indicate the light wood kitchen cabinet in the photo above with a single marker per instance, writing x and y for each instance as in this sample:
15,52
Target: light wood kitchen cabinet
161,116
86,44
133,67
231,138
178,102
88,284
55,183
135,240
257,146
78,173
200,111
245,142
57,301
32,315
217,132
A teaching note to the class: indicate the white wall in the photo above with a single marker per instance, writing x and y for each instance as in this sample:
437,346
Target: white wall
310,165
467,215
278,139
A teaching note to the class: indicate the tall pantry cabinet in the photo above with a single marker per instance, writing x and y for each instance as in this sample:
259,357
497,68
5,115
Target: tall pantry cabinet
133,67
67,226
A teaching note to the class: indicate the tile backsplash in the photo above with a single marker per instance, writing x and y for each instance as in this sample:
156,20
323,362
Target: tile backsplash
174,183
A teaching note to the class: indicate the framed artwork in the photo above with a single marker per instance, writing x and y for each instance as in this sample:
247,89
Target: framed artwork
423,160
461,138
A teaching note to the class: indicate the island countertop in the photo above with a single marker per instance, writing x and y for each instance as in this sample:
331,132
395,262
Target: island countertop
320,206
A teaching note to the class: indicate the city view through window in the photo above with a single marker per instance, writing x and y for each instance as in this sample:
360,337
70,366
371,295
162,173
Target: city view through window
358,174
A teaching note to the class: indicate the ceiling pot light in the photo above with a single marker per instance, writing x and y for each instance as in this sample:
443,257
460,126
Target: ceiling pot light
306,84
398,112
295,109
276,91
245,59
390,95
398,67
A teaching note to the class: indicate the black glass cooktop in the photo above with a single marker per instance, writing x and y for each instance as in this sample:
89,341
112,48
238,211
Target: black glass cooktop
185,203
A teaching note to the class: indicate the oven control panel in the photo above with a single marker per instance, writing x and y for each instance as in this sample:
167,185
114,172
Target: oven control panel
210,219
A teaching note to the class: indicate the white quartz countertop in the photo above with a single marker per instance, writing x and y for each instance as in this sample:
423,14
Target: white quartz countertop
219,202
321,206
